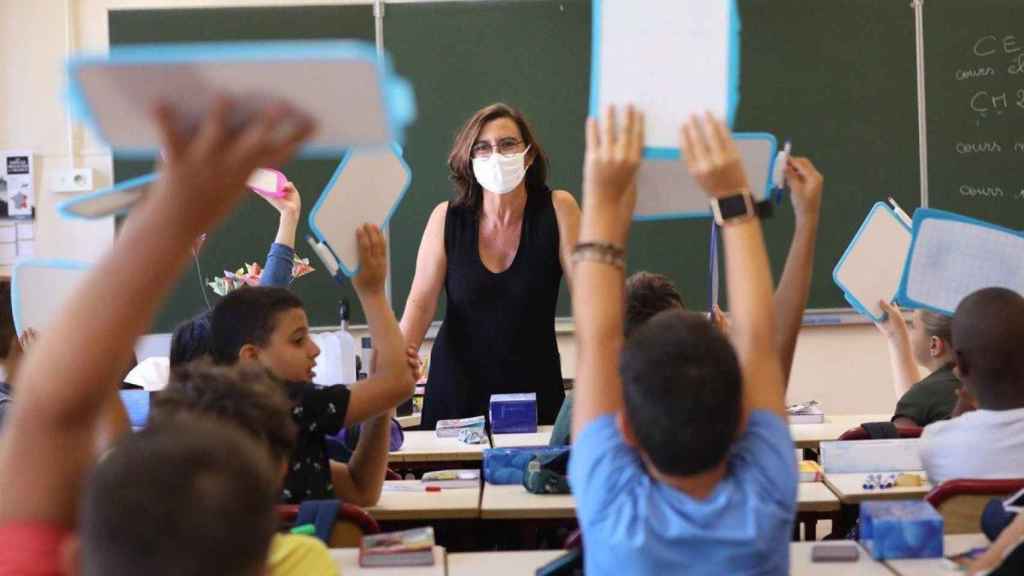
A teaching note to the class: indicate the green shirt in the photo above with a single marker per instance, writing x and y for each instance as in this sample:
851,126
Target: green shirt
931,399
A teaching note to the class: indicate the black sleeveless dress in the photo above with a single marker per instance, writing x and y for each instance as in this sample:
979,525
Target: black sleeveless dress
498,334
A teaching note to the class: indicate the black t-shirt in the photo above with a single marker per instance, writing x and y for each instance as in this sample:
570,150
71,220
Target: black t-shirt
931,399
318,411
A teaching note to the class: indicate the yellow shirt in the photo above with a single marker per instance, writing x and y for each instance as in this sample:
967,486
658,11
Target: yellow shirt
297,554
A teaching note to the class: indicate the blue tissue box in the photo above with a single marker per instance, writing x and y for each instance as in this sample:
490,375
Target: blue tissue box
513,413
508,465
136,403
901,529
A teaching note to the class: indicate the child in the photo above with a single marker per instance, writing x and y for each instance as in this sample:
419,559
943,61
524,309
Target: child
268,326
682,461
647,294
249,399
45,454
191,338
926,343
988,327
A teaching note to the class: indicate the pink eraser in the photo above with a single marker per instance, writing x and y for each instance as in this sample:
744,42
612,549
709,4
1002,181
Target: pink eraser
267,182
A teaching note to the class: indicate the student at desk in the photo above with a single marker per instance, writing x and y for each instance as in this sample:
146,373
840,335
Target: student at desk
682,461
927,342
988,442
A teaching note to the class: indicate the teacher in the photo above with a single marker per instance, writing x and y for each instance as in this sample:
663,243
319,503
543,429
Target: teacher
499,249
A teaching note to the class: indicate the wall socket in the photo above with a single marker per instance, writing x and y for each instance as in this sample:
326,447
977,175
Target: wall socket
77,180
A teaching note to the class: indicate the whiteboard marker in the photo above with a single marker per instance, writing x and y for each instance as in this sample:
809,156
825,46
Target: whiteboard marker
899,212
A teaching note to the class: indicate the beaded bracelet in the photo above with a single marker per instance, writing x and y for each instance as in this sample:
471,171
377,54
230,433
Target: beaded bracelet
602,252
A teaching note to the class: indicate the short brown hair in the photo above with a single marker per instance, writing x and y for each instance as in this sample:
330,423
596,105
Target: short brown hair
647,295
937,325
241,396
468,192
191,496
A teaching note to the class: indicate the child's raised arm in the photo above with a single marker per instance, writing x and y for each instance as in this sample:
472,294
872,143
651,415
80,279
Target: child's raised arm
392,382
714,161
63,381
278,268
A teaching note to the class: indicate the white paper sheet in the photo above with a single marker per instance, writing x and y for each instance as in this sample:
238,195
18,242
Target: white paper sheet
871,267
671,58
859,456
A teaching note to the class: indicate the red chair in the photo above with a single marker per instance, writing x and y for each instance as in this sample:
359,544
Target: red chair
392,475
859,433
962,501
351,525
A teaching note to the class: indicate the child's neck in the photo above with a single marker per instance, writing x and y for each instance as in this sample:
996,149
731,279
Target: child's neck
698,486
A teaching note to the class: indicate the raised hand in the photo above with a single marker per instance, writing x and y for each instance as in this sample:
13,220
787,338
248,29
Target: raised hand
373,261
712,157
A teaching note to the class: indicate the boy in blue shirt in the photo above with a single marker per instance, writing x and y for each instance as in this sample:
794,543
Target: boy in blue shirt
682,462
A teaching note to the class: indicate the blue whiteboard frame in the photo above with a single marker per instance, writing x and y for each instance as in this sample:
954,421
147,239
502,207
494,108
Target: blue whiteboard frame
318,205
920,216
857,304
398,95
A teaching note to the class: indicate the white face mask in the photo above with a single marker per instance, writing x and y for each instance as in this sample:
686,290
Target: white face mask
500,174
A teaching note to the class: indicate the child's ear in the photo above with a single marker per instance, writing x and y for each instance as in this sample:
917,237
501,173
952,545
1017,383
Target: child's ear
936,346
628,436
248,352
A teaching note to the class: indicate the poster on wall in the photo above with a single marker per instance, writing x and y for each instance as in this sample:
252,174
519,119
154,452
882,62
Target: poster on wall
17,184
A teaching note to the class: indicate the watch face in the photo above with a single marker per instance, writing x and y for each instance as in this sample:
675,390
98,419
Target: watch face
732,206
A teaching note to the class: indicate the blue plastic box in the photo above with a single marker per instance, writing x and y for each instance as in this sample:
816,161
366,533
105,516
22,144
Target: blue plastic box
513,413
901,529
508,465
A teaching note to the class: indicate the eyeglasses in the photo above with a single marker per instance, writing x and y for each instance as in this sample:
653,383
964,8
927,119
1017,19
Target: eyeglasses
506,147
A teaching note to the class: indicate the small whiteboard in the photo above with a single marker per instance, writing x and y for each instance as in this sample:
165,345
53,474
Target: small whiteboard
116,200
671,58
353,95
871,266
40,287
952,256
665,189
365,189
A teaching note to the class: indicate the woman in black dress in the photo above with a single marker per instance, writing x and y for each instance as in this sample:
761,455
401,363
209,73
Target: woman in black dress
499,249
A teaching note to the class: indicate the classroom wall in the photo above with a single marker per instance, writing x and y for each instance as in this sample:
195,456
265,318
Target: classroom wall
844,367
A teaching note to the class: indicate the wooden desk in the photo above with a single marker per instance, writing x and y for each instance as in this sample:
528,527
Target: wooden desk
410,421
539,438
500,563
424,446
954,544
347,560
810,435
422,505
850,489
800,563
816,497
514,502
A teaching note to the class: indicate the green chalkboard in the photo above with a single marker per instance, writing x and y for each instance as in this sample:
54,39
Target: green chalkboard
247,234
837,78
974,56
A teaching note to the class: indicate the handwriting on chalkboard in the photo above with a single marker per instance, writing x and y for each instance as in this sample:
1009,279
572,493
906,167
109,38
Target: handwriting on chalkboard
991,79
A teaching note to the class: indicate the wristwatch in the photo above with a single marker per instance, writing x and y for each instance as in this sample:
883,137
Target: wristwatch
739,207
